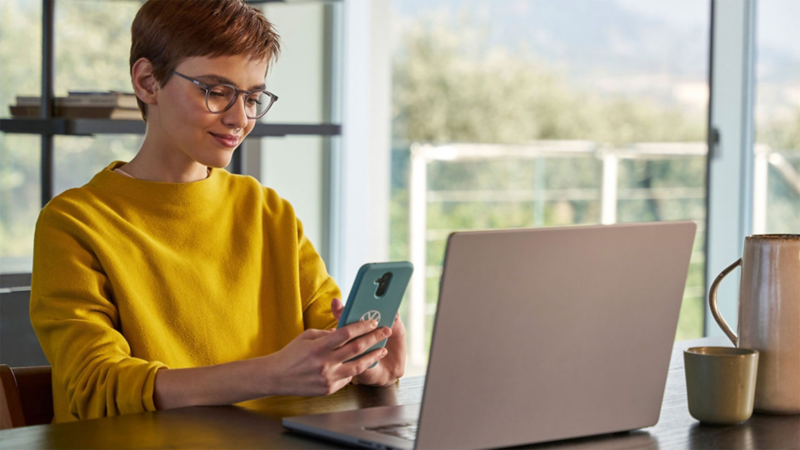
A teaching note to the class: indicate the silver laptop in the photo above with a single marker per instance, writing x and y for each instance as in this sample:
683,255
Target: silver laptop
540,335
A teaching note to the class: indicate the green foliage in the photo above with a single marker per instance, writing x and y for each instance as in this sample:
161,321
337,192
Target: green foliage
448,87
783,211
781,134
93,56
92,44
20,42
445,91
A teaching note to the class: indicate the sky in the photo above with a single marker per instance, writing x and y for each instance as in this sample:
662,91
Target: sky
654,46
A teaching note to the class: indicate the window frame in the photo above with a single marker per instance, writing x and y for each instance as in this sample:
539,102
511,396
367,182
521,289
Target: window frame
729,199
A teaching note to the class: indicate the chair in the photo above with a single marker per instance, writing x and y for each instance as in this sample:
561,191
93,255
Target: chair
26,396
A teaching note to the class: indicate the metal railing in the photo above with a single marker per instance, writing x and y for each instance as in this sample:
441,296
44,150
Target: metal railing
610,157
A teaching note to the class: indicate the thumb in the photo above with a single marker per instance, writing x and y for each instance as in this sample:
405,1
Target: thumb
337,308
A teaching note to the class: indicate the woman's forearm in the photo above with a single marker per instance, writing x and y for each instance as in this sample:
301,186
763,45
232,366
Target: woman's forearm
317,362
223,384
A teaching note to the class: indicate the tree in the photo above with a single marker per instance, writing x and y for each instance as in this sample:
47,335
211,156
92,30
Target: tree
449,86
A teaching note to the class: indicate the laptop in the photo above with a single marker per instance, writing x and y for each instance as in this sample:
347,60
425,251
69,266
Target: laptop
540,335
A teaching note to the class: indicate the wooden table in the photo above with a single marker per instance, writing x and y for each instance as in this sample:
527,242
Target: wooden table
257,424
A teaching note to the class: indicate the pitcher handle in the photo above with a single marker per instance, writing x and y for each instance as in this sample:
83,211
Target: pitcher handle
712,303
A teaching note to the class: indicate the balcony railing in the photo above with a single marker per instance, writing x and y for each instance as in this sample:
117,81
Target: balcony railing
609,195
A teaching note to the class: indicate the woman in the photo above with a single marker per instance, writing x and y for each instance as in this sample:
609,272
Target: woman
169,282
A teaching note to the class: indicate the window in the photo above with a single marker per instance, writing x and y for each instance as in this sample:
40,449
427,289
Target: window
91,57
298,167
776,171
20,159
94,57
542,113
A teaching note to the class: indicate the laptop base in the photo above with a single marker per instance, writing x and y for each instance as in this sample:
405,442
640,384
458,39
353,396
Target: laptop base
355,427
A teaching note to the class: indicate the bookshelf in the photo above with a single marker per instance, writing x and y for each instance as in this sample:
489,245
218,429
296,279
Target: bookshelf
88,127
48,126
15,275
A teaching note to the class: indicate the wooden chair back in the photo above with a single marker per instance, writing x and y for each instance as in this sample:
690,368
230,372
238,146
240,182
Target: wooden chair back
26,396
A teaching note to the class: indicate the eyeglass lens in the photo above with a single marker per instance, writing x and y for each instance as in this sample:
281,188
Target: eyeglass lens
220,98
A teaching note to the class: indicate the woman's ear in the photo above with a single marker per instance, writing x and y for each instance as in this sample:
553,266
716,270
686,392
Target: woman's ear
144,83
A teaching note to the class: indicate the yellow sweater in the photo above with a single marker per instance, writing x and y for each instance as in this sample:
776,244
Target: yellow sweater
130,276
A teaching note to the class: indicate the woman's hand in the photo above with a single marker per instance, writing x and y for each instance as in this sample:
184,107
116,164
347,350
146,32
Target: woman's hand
314,362
392,366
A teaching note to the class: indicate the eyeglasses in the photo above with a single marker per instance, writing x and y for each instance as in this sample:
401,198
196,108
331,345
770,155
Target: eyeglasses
221,97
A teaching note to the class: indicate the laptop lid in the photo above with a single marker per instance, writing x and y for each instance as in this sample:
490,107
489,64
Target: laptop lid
553,333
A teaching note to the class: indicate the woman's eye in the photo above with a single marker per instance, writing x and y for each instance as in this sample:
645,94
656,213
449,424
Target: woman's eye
253,101
216,94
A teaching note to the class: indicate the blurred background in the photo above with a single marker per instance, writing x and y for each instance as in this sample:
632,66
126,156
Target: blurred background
458,115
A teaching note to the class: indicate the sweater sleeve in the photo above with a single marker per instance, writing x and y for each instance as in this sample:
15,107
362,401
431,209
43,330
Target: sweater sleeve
317,287
77,323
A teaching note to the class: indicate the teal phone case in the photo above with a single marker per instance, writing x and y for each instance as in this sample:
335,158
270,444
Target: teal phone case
364,304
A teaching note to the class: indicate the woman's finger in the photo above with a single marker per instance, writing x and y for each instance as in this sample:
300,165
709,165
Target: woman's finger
360,365
360,345
313,333
337,308
347,333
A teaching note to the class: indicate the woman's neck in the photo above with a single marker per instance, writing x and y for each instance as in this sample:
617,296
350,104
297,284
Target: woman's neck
122,172
154,162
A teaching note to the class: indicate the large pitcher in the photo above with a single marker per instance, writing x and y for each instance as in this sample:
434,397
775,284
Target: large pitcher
769,317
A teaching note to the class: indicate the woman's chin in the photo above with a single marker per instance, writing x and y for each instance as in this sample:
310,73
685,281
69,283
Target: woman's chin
215,158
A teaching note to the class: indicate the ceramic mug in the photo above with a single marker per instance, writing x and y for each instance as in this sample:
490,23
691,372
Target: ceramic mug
769,317
720,383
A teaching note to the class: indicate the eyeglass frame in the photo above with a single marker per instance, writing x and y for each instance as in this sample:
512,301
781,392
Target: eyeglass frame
209,87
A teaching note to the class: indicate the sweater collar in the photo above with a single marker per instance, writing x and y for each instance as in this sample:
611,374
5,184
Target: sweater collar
183,194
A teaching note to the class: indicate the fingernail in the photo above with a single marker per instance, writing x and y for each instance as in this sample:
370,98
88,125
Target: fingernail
373,323
384,352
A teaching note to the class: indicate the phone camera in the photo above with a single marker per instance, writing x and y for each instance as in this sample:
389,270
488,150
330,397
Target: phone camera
383,284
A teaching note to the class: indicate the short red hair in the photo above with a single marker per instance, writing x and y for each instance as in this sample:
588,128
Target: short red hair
168,31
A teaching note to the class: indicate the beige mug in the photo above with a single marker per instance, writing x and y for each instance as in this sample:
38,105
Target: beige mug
769,317
720,383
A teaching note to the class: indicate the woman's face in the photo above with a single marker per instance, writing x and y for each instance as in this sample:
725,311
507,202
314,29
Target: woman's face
186,123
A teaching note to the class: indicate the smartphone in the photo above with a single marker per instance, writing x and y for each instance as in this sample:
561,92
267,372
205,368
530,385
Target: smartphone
376,295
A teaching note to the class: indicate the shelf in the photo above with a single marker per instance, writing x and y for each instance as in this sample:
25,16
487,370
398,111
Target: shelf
88,127
14,281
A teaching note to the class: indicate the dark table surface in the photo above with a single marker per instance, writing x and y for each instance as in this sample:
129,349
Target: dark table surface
256,424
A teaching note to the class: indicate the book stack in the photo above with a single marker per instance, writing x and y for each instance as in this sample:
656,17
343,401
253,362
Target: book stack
83,105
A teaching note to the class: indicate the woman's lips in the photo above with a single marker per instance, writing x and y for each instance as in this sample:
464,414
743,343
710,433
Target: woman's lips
228,140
